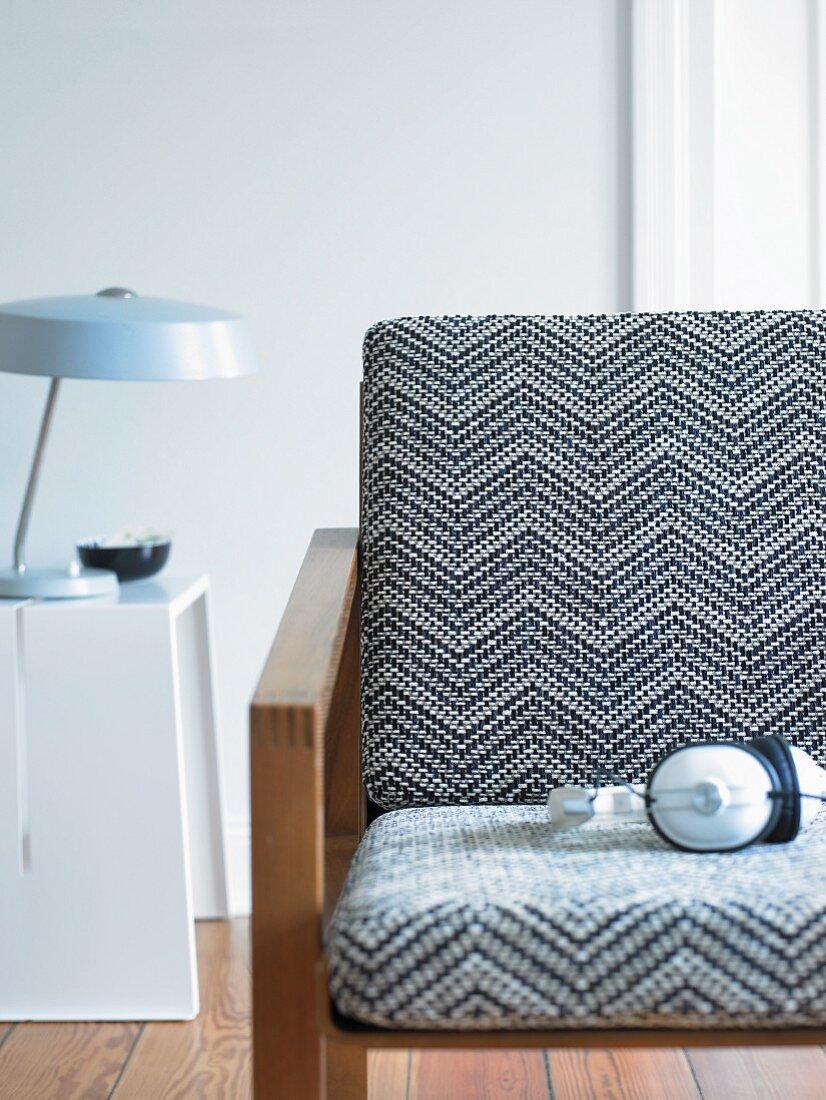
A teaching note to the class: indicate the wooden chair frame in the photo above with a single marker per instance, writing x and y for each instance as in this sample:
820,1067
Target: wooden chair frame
308,813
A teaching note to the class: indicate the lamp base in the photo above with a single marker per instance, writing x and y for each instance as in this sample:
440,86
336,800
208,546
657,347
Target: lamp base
57,584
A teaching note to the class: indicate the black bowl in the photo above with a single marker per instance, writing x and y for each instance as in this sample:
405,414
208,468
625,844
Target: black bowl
131,563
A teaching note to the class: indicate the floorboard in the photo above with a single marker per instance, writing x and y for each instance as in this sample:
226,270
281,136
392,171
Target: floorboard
478,1075
208,1057
622,1075
387,1074
64,1061
771,1073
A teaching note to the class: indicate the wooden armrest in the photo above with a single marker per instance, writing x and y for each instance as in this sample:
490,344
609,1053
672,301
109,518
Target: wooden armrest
313,666
305,769
303,663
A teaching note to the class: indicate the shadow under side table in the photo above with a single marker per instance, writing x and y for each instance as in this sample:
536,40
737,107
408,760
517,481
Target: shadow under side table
111,838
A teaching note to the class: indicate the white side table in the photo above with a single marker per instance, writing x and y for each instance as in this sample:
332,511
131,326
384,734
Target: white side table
111,838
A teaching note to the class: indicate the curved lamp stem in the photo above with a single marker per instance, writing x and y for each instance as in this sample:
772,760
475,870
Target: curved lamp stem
28,500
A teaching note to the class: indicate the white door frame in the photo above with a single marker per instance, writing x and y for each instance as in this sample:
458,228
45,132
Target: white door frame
675,56
672,97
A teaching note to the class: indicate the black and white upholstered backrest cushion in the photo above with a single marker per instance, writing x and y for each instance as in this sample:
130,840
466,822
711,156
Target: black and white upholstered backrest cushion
585,540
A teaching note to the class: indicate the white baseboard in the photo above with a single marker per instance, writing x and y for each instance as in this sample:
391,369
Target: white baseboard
239,872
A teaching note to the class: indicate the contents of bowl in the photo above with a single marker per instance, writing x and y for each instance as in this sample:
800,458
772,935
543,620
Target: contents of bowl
131,554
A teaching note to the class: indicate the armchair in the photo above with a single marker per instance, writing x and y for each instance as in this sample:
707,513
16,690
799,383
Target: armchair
583,540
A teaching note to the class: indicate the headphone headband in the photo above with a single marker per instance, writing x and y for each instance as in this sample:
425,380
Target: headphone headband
778,753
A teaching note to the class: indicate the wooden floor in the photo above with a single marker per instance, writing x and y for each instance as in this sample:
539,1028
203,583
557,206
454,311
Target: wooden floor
210,1058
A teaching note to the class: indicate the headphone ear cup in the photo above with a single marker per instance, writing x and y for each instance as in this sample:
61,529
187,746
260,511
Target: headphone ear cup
688,796
776,750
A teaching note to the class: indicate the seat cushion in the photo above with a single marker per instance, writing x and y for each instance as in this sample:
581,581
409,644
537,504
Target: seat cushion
477,918
586,540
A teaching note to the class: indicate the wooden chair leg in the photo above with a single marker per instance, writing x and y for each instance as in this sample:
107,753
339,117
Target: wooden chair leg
346,1066
287,846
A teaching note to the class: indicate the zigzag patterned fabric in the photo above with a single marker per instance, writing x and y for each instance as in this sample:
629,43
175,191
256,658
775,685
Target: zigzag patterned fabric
586,540
476,918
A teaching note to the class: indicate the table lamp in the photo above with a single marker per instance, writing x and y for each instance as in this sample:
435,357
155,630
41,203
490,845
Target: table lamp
114,335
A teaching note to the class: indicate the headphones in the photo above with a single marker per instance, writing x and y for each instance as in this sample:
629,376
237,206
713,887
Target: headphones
715,796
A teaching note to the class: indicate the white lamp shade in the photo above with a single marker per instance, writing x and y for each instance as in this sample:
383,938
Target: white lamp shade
123,337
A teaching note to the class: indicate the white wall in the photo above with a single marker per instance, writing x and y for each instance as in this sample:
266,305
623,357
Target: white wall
317,166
